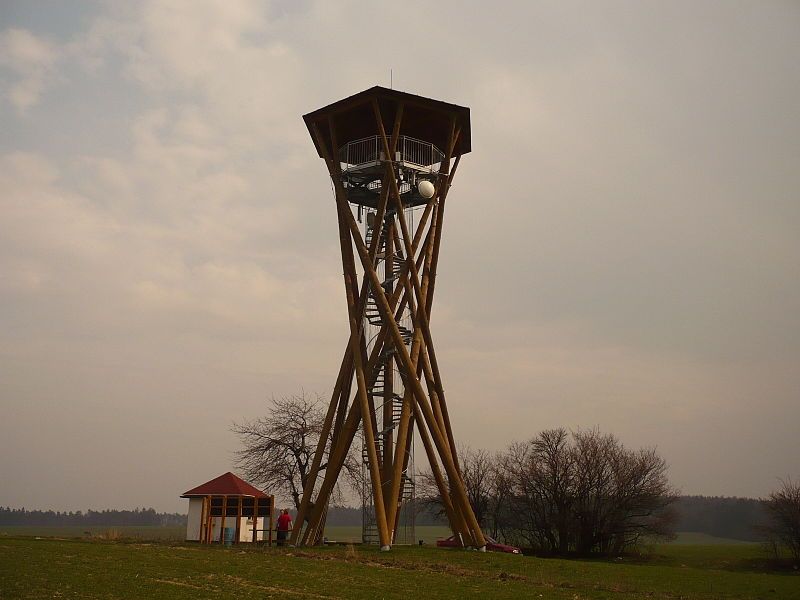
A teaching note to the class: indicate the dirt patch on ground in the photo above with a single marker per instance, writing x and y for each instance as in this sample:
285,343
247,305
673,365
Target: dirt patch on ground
228,580
442,568
275,589
181,584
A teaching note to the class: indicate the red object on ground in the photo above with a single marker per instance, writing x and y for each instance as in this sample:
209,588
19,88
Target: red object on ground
491,545
283,522
225,485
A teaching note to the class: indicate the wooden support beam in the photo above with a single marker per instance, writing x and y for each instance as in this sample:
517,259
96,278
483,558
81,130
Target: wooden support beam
335,461
209,521
457,522
401,457
404,430
454,476
271,518
388,389
429,301
356,324
406,459
339,451
422,316
222,522
438,399
425,365
345,372
203,509
238,519
255,520
341,390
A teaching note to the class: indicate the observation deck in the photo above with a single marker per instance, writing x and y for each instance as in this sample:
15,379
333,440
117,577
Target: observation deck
363,166
350,130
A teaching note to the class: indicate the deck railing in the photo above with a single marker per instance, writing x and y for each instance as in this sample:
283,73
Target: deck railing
411,152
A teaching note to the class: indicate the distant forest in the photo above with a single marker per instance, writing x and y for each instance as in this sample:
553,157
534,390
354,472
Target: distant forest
43,518
735,518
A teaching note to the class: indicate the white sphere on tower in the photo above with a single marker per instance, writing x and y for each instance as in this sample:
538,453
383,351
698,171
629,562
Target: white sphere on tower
426,188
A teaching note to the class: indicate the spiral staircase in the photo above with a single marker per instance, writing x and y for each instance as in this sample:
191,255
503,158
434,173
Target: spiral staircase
378,392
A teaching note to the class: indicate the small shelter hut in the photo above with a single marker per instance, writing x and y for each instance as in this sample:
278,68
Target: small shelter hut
228,509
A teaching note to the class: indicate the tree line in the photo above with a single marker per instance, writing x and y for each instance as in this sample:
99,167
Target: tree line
41,518
720,516
734,518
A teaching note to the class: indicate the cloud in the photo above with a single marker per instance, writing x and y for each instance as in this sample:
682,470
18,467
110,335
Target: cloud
31,59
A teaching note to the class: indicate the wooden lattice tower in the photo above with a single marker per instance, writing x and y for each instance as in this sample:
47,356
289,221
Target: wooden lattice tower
398,384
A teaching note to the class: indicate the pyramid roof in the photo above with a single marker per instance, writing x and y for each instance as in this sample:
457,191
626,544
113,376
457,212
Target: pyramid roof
423,118
225,485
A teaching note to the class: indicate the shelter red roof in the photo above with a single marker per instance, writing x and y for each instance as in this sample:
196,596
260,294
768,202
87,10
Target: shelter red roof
225,485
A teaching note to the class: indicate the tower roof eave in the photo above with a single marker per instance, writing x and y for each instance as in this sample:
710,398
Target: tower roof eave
423,118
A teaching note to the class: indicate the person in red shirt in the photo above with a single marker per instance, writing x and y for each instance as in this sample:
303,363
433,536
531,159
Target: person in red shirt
284,525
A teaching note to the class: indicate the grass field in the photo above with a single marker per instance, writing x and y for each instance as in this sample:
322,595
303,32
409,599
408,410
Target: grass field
135,532
95,568
428,533
693,538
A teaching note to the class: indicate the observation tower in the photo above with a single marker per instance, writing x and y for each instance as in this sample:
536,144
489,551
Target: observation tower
391,157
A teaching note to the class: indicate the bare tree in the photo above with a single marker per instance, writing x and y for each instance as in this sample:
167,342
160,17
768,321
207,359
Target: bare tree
621,494
277,449
479,473
594,456
641,500
521,518
783,509
556,478
585,494
559,492
536,478
498,497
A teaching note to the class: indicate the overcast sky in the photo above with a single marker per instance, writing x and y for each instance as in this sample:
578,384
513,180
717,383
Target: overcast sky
621,249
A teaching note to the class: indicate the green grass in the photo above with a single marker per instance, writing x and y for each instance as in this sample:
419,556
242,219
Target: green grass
76,568
428,533
136,532
704,539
